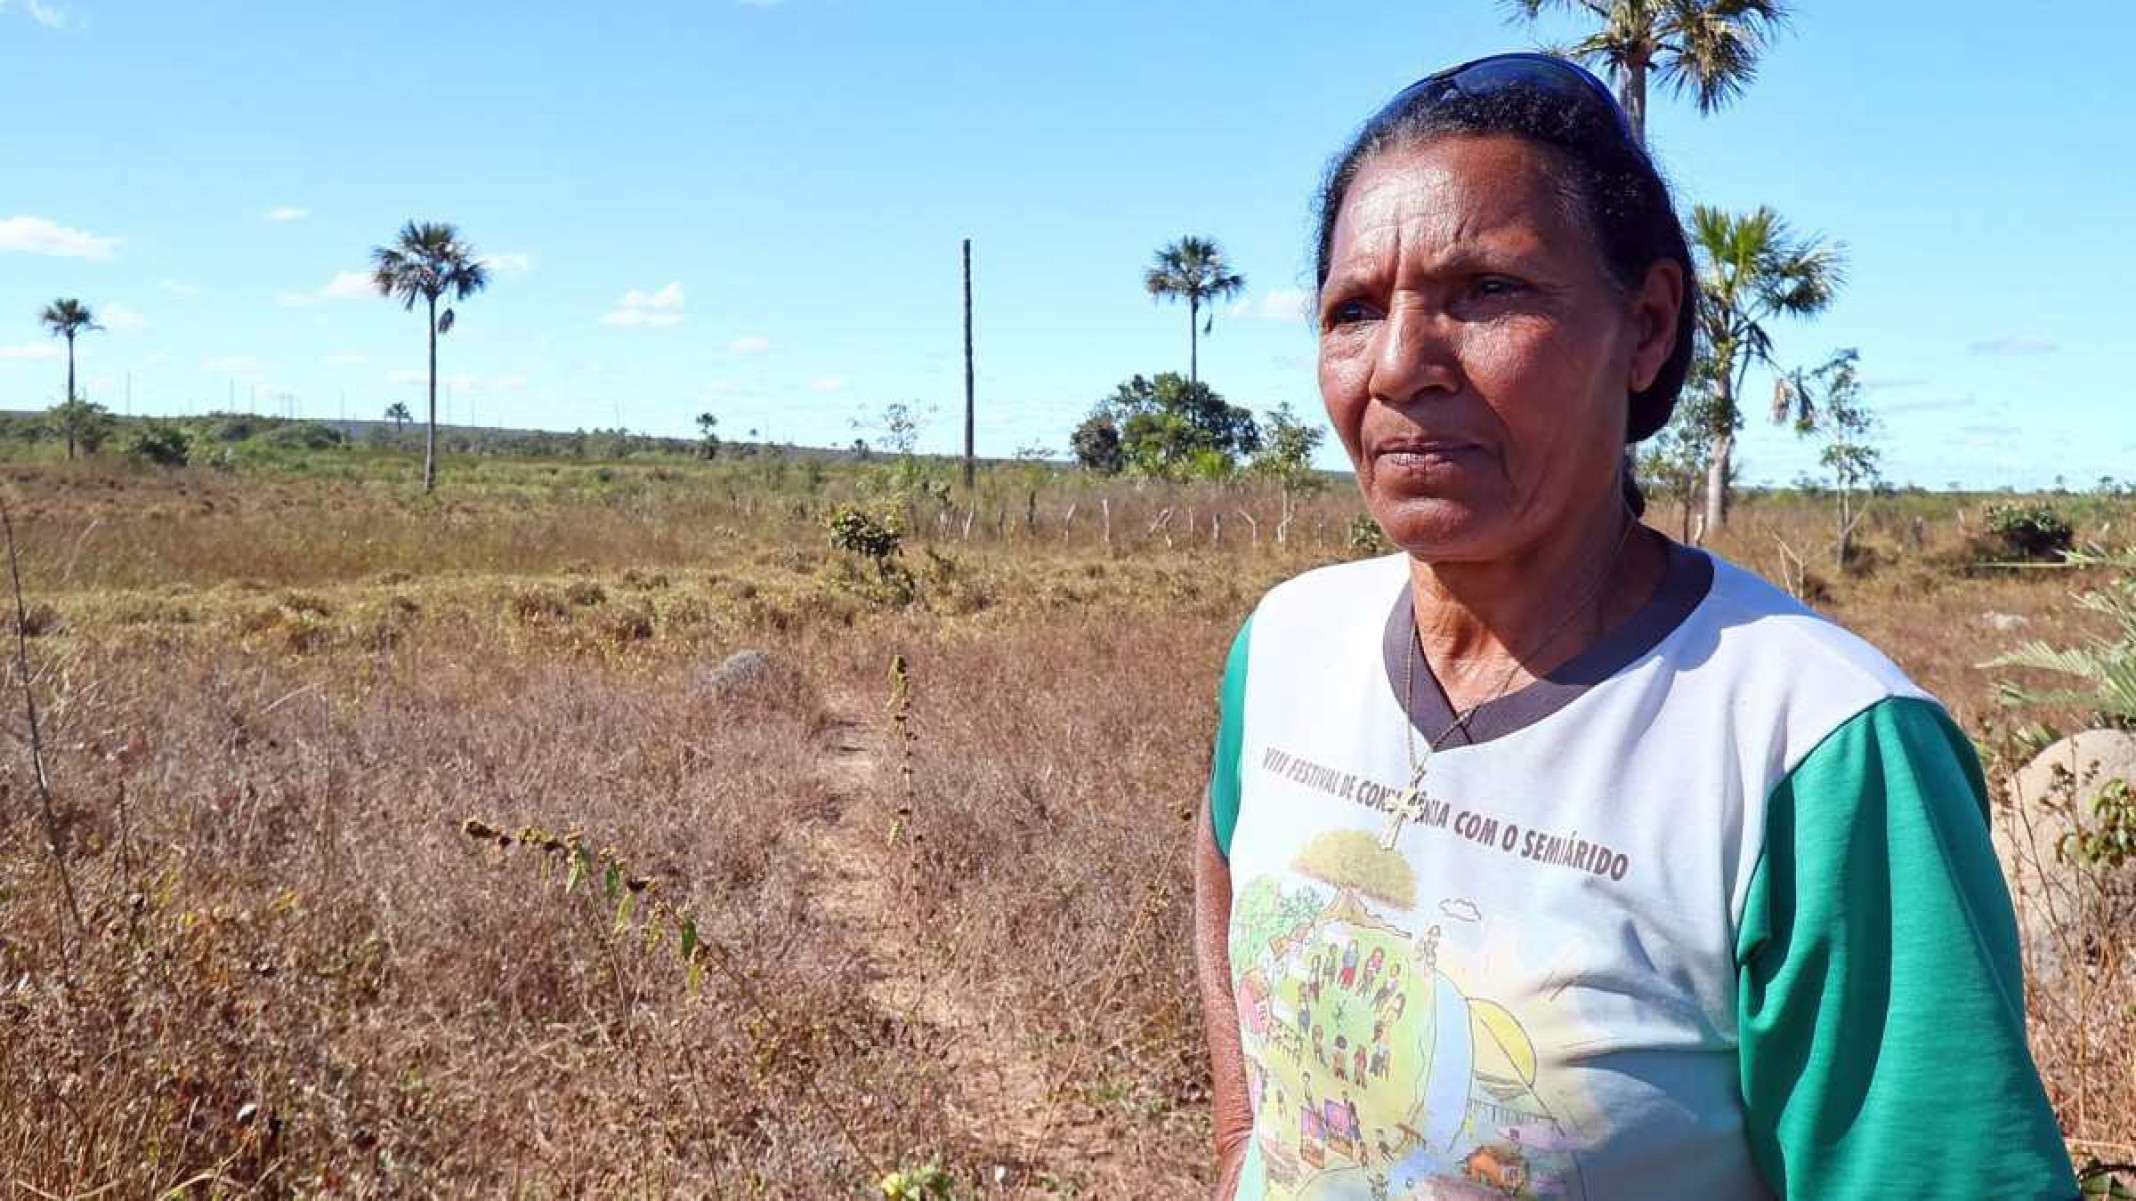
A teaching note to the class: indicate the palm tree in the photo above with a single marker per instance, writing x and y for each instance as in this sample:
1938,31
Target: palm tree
398,414
1708,47
1752,269
427,262
66,318
1193,268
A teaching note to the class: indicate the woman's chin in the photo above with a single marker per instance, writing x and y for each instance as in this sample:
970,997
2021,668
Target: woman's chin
1438,528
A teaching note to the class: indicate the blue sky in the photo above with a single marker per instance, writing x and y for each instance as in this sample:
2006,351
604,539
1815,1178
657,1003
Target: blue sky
755,208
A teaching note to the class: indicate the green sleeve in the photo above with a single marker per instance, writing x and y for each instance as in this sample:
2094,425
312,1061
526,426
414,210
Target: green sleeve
1224,765
1881,1005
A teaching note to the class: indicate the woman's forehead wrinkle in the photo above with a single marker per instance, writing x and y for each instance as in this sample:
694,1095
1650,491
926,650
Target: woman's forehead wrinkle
1424,232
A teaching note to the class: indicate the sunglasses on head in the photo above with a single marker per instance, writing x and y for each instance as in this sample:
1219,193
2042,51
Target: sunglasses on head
1504,72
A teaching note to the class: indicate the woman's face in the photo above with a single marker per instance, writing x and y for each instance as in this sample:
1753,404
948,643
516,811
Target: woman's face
1475,355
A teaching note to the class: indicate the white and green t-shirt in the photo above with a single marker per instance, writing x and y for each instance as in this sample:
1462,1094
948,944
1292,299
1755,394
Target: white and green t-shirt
1709,912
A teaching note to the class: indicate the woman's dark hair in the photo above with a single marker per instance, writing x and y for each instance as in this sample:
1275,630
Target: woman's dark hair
1611,182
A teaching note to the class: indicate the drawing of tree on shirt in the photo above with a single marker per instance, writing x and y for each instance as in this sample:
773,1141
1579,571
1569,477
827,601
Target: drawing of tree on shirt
1355,862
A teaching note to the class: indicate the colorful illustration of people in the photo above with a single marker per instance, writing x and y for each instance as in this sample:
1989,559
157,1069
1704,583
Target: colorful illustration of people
1371,1072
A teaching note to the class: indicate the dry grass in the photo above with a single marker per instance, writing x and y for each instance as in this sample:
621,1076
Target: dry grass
272,703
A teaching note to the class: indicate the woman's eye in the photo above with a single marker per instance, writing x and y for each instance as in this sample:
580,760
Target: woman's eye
1350,312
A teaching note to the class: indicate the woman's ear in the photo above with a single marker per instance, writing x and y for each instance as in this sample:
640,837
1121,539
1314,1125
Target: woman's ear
1656,308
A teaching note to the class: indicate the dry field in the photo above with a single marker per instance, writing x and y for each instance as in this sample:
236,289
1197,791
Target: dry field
420,848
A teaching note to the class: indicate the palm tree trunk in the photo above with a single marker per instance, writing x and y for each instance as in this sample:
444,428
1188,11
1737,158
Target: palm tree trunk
1193,340
1631,93
70,395
1717,484
430,441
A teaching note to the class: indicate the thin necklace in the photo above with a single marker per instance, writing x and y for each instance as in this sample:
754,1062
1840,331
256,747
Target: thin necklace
1409,804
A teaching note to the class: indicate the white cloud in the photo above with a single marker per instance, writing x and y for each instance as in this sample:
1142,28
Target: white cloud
750,344
346,358
827,383
287,212
51,16
346,285
179,288
1276,304
240,365
31,350
36,235
2015,344
660,309
119,317
510,263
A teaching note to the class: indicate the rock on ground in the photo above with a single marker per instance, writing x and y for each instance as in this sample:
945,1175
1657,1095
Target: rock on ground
2052,798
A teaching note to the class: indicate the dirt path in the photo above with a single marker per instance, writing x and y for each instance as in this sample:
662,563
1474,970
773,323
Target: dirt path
999,1091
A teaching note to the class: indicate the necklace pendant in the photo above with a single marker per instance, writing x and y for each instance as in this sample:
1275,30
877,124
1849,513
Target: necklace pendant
1408,806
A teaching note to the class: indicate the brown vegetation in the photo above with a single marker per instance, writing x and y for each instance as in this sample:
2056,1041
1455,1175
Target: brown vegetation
941,920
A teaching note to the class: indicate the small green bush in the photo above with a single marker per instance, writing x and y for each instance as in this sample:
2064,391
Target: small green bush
160,443
2030,530
874,536
302,435
1365,538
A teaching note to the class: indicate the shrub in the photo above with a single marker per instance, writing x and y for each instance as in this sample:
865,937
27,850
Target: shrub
1364,537
631,623
537,604
874,536
39,619
303,435
2030,530
160,443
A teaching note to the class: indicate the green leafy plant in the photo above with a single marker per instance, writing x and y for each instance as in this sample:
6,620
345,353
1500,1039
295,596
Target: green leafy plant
2104,662
925,1183
1365,538
2032,530
619,886
874,535
1161,427
2106,1180
160,443
1826,403
2111,841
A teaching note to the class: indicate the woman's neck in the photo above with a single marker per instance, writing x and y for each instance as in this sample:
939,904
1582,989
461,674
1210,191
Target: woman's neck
1488,628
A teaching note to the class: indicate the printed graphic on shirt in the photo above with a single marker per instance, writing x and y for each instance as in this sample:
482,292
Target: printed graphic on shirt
1372,1069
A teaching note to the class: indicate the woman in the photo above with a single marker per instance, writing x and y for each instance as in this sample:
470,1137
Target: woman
1693,889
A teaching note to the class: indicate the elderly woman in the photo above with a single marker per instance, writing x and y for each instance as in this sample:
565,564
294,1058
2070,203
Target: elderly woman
1546,857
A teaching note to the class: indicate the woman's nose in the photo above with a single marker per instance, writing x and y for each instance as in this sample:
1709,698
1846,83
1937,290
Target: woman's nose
1416,357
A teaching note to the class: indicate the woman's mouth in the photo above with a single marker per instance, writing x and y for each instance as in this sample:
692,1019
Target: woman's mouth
1425,455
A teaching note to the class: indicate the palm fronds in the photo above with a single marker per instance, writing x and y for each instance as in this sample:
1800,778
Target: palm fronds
2106,662
67,317
427,262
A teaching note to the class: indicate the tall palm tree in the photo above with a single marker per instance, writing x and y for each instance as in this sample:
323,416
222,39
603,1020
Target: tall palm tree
1193,268
1752,269
1707,47
428,262
66,318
